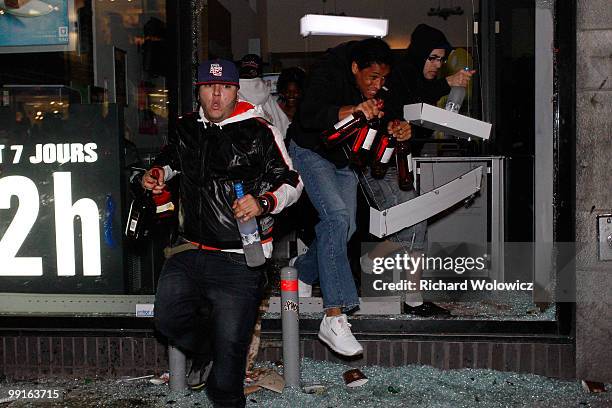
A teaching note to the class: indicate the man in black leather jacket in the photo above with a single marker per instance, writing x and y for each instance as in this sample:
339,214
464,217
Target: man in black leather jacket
225,142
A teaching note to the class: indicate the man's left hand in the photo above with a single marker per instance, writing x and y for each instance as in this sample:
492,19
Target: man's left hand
460,78
400,129
246,208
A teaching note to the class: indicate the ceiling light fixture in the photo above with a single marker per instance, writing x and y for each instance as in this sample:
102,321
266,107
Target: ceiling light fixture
317,24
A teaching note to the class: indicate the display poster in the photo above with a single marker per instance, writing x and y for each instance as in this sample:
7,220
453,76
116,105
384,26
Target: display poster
34,23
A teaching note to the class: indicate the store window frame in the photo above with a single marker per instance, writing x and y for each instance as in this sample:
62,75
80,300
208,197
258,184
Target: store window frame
120,307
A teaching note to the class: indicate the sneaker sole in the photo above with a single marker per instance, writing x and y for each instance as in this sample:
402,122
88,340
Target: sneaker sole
331,346
197,387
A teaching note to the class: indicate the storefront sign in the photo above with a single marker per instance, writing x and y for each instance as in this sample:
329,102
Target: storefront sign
60,204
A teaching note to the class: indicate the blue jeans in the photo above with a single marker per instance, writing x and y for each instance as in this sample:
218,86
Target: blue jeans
333,193
386,194
220,286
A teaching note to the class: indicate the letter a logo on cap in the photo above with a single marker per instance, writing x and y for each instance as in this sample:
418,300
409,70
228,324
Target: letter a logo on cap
216,69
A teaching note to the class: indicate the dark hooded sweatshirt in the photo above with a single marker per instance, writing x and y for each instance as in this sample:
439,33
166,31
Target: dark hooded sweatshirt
407,83
330,86
407,79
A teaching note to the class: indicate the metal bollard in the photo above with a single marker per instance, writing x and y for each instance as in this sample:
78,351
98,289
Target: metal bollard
290,305
177,362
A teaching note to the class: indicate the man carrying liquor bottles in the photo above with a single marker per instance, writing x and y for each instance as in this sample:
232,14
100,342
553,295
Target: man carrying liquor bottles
343,85
414,79
226,142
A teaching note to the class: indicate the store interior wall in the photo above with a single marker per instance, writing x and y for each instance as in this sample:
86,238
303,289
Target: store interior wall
273,26
284,21
244,24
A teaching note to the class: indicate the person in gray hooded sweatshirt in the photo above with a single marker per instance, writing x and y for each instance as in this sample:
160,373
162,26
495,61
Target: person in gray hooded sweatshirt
253,89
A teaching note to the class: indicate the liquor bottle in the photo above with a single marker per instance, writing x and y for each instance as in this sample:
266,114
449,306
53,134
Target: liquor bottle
140,215
164,206
360,151
249,233
382,156
455,97
403,160
344,129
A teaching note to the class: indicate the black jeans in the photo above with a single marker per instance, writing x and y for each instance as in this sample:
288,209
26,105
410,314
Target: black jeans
230,292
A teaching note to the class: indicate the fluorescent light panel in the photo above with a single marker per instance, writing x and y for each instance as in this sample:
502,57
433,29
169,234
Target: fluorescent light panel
316,24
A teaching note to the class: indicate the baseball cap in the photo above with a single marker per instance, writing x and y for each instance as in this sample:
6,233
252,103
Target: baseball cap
217,71
251,66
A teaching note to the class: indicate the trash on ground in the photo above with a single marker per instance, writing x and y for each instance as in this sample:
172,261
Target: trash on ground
271,380
593,386
354,378
250,389
128,379
318,389
162,379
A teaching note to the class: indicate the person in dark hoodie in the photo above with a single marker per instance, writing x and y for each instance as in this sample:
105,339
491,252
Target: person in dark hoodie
414,79
415,76
346,80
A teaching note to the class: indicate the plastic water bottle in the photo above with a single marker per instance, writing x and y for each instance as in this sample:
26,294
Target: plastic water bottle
249,233
455,97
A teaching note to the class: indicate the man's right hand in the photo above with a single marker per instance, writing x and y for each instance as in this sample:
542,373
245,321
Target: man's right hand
153,180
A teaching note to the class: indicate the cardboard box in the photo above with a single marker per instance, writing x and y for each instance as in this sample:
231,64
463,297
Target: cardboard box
451,123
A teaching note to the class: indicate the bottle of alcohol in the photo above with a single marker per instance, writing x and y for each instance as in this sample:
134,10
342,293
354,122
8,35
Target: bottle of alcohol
455,97
344,129
140,215
403,160
360,151
164,206
382,156
249,233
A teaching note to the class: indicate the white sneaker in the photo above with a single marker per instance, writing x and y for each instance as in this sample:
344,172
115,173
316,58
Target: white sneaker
335,331
304,289
367,264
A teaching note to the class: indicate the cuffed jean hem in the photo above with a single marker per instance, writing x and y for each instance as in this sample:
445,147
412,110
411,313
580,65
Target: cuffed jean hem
345,309
223,401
